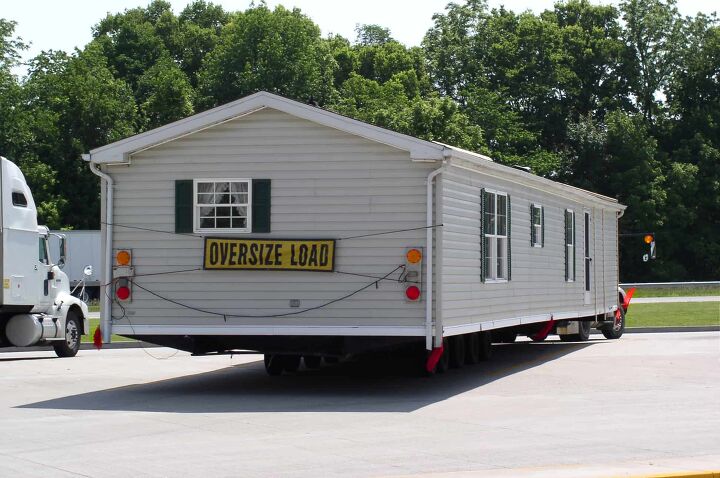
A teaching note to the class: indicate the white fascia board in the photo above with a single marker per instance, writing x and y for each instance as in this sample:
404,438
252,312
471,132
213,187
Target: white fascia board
120,151
507,173
309,330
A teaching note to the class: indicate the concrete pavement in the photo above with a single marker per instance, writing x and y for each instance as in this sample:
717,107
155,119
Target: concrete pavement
645,403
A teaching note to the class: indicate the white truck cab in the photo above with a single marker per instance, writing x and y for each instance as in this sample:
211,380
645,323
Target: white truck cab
36,306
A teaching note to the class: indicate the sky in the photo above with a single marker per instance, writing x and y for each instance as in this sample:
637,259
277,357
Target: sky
64,25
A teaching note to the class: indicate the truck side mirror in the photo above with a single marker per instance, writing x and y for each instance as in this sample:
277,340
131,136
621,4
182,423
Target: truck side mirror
63,252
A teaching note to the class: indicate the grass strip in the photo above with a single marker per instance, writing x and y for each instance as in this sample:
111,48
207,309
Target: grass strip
674,314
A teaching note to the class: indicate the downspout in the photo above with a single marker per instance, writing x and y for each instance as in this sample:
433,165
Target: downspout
106,315
429,254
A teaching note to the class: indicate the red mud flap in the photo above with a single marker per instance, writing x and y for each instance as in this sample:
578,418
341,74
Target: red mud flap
544,332
97,339
433,359
628,297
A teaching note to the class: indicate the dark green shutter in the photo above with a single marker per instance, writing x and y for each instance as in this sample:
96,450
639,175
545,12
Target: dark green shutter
567,236
509,239
483,208
261,193
574,245
184,205
532,225
542,226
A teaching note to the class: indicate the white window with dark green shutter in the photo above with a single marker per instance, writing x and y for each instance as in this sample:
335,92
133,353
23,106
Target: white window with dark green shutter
496,236
569,245
537,225
235,206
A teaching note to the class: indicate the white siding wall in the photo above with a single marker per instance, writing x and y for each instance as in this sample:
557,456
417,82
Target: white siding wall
538,283
325,184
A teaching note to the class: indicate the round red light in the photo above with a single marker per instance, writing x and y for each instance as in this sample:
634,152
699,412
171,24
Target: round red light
123,292
412,292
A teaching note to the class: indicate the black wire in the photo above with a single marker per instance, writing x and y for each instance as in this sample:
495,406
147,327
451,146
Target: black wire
286,314
392,231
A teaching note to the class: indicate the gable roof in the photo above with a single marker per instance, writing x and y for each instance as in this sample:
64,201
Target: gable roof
120,151
419,149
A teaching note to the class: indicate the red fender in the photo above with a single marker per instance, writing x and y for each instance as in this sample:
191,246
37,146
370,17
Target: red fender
433,358
544,332
97,339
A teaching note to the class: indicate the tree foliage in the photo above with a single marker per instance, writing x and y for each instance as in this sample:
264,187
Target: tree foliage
620,100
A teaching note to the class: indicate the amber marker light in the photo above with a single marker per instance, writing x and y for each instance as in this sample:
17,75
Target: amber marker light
414,256
123,258
648,238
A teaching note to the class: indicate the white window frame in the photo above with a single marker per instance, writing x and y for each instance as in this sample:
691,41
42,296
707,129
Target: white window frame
491,255
230,230
537,229
570,246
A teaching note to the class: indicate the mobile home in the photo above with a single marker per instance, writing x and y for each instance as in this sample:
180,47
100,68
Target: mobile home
271,225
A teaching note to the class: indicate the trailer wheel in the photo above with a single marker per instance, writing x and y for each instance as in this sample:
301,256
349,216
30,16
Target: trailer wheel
274,365
291,363
472,348
583,334
457,351
312,361
485,345
615,331
73,333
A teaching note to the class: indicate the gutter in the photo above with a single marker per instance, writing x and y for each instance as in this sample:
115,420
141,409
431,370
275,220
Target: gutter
429,254
106,315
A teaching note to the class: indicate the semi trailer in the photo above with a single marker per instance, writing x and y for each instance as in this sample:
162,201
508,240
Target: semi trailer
36,304
270,225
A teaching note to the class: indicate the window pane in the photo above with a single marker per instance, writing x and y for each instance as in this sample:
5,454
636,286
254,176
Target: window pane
205,187
206,199
222,222
207,222
502,205
239,198
222,187
239,187
207,211
239,211
239,222
502,225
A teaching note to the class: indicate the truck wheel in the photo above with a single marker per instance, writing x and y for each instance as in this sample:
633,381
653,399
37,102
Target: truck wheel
312,361
274,365
485,345
472,348
73,333
613,331
583,334
291,362
457,351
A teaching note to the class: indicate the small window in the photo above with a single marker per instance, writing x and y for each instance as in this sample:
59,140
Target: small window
19,199
495,246
537,226
42,251
569,245
223,205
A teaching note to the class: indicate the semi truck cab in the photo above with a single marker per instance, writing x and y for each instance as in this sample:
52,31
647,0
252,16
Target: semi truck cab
36,306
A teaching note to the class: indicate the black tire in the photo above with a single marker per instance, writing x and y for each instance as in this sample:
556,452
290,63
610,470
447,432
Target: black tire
485,345
291,363
312,361
274,365
457,351
582,336
611,332
505,336
472,348
73,335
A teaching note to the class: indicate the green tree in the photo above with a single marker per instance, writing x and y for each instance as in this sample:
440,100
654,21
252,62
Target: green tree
165,94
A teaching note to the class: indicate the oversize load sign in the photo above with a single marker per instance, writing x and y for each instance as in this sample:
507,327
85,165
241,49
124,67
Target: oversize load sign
270,254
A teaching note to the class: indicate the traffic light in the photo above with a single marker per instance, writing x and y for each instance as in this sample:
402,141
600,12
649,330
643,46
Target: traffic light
122,271
413,273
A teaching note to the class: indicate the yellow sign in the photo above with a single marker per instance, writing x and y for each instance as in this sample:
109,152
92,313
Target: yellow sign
270,254
6,283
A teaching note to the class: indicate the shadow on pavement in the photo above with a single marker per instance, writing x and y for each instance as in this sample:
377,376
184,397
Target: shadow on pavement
377,384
